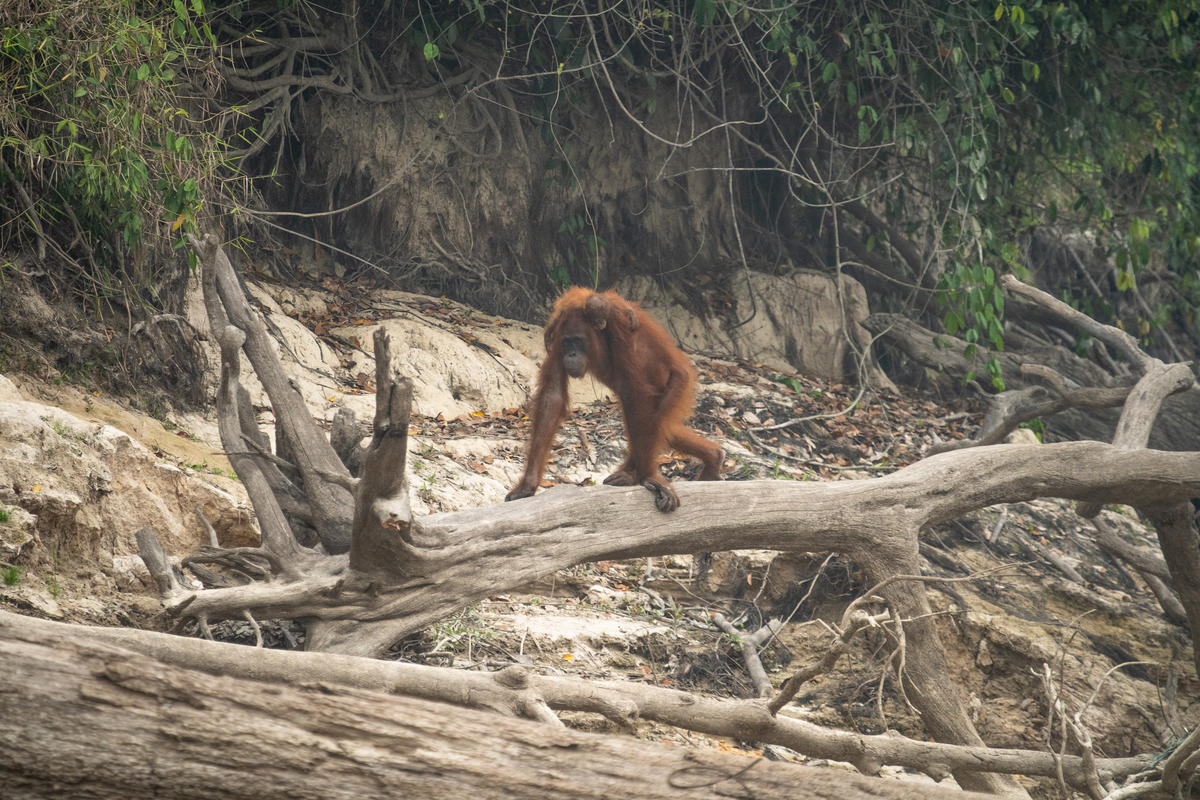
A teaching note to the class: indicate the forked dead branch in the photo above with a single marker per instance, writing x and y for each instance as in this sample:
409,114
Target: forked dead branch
401,573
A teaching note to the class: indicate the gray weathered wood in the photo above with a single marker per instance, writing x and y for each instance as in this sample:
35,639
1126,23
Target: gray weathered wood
331,504
382,515
87,719
516,691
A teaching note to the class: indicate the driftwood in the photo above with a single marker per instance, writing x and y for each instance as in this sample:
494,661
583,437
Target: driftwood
750,643
306,446
1010,408
1078,398
1150,566
1174,522
1140,403
403,573
456,558
83,717
73,673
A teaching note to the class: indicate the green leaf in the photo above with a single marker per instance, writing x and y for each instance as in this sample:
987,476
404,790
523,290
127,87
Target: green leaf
1141,251
431,51
996,333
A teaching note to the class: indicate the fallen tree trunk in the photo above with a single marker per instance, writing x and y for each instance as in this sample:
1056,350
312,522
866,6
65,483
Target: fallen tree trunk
457,558
85,718
518,692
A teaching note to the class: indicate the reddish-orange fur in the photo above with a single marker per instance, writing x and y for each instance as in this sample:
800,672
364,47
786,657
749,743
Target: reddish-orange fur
630,353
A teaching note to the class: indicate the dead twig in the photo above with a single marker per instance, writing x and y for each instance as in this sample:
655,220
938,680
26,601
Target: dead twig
750,645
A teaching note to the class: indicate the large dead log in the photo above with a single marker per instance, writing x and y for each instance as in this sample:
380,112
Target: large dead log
1174,522
460,557
520,692
463,556
1140,416
88,719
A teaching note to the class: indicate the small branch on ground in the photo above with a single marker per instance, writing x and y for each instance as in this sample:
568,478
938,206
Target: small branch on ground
853,620
750,642
1149,566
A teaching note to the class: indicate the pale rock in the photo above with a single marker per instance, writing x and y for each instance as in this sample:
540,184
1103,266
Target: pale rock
1022,436
804,322
79,490
17,532
9,391
130,574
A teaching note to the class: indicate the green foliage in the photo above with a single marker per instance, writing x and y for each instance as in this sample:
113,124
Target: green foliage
5,514
95,148
1037,425
203,466
11,574
561,276
790,382
974,305
1004,110
937,139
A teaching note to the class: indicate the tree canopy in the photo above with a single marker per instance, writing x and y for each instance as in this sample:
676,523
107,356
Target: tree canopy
922,149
